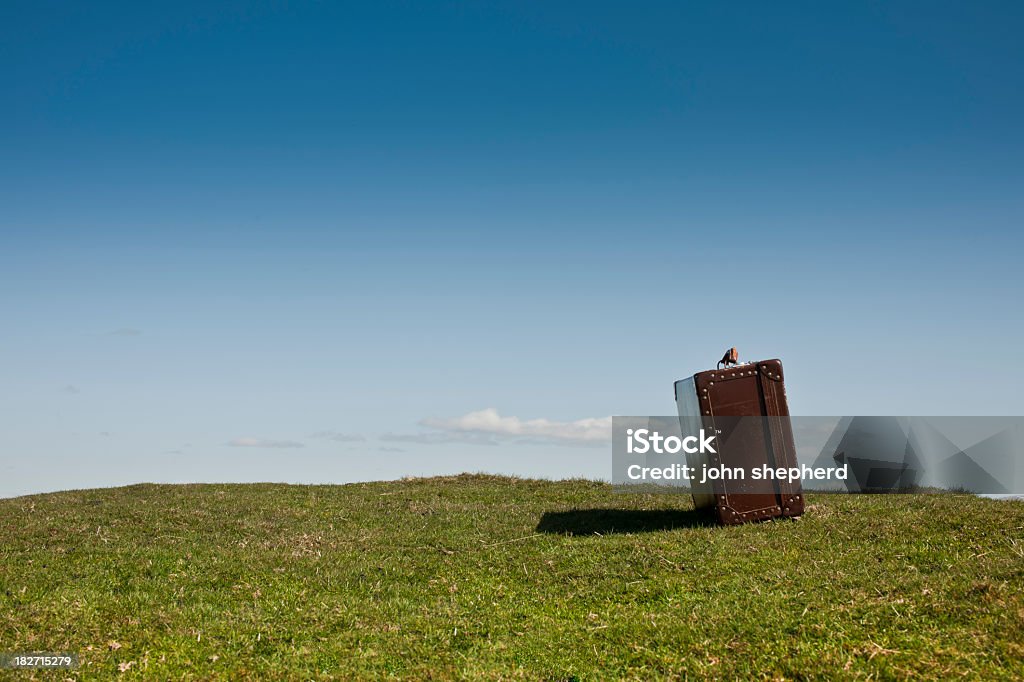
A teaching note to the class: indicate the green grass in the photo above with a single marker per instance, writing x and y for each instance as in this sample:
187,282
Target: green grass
488,577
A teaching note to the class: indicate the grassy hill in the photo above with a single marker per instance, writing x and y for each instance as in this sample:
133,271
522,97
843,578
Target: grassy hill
488,577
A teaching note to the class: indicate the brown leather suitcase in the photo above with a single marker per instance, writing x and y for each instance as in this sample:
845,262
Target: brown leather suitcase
745,406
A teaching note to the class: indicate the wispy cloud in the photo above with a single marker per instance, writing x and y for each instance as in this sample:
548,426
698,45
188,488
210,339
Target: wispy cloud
72,389
440,437
386,448
339,436
125,331
489,427
248,442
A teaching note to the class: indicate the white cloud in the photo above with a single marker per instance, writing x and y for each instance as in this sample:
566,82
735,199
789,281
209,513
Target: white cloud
592,431
247,442
339,436
438,437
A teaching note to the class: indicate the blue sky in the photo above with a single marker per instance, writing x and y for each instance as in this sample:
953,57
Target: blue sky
254,224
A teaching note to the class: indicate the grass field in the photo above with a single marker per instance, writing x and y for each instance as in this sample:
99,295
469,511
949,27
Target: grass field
488,577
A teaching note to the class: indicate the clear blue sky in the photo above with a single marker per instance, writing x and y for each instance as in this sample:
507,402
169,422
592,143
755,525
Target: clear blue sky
291,228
